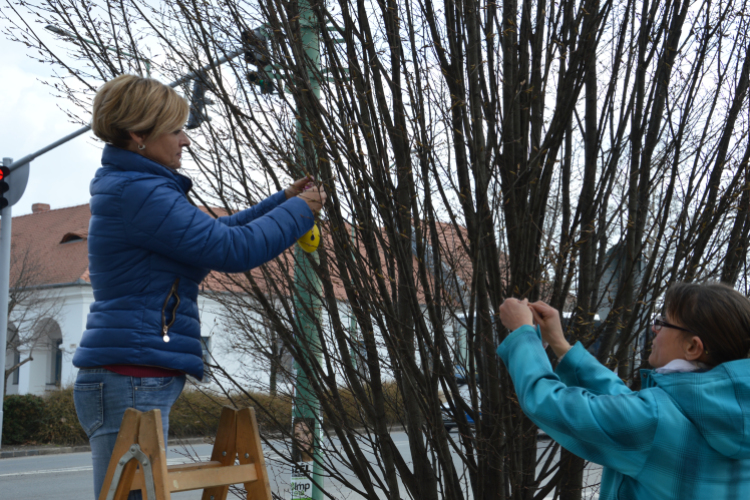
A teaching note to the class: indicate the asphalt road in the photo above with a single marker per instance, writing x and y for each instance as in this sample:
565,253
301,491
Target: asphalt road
69,476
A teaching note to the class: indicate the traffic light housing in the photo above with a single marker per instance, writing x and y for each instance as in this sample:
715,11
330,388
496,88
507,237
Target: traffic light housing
255,42
197,104
261,80
4,187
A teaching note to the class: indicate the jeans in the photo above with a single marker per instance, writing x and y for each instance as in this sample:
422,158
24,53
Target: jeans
101,398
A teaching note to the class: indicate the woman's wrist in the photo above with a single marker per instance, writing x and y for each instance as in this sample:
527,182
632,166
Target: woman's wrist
560,347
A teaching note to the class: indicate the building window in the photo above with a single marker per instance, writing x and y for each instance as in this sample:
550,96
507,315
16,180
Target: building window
57,363
17,371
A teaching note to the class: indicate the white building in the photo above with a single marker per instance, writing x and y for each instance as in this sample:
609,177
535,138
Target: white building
49,274
49,268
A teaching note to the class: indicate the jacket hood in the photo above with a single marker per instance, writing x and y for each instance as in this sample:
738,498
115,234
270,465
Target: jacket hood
717,402
128,161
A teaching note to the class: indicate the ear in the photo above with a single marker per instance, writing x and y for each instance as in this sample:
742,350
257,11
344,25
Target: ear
693,348
137,139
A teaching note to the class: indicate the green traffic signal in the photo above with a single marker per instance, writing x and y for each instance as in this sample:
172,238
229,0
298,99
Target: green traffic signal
265,83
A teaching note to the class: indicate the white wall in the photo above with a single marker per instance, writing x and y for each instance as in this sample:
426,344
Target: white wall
37,376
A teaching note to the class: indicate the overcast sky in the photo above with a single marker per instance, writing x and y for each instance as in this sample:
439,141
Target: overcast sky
32,119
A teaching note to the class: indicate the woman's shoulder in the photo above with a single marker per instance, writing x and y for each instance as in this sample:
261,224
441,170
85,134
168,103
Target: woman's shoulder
113,181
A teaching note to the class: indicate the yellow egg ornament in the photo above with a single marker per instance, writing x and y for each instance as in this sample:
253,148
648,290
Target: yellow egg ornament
310,241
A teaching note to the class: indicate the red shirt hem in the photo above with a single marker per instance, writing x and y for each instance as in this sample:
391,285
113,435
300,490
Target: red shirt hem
142,371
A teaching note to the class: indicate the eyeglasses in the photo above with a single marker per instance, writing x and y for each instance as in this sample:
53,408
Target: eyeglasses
659,323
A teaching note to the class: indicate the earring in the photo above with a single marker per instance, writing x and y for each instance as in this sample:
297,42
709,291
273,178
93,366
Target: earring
141,146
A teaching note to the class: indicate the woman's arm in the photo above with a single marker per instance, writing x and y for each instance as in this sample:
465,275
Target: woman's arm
158,217
580,369
259,210
315,199
616,431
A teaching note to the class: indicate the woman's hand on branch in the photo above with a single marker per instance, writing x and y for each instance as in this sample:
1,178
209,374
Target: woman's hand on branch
298,187
316,197
515,313
548,319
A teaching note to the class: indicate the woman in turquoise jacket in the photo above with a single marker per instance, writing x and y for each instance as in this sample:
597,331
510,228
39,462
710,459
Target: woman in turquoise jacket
684,435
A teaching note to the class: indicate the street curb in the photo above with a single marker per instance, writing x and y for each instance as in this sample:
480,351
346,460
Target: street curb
44,451
35,452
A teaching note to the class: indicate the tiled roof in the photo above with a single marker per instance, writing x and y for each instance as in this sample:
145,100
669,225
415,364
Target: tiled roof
51,248
38,254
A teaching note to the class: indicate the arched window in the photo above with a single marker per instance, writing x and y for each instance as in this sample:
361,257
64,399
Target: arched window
50,331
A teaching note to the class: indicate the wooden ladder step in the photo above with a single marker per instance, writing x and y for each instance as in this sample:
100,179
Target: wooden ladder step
186,477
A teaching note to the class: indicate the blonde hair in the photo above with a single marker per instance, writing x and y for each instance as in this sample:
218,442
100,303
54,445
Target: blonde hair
143,106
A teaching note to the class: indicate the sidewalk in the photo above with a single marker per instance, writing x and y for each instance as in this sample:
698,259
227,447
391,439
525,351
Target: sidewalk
33,450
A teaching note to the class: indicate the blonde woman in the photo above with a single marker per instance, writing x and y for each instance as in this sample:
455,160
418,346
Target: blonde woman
149,249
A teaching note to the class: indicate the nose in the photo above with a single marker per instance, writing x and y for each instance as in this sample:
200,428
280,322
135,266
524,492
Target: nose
184,142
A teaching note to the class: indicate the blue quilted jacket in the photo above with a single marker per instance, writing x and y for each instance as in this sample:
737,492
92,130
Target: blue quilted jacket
149,249
683,436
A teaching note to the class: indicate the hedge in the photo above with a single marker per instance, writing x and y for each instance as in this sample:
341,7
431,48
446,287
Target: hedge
52,419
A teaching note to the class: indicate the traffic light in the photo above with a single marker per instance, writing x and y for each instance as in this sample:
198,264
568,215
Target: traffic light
197,103
256,42
261,80
4,172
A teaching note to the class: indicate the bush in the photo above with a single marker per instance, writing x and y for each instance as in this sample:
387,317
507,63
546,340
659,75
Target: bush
196,412
53,419
23,417
61,424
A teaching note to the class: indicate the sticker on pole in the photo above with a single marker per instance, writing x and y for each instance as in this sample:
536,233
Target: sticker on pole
302,486
302,455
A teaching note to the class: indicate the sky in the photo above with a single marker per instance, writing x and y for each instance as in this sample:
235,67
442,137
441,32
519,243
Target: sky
32,119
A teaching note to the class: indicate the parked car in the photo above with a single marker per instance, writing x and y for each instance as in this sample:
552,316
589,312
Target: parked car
449,420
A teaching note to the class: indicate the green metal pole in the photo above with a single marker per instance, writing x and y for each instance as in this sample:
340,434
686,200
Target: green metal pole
308,288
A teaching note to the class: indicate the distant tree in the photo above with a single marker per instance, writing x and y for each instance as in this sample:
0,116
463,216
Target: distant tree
31,310
583,152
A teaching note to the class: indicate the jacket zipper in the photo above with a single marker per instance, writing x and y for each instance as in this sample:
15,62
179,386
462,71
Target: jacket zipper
164,325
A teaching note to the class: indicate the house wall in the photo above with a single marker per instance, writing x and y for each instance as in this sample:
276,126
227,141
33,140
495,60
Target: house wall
228,348
37,376
67,325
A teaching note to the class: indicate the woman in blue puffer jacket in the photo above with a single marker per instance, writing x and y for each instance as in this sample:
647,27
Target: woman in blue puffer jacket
149,250
684,435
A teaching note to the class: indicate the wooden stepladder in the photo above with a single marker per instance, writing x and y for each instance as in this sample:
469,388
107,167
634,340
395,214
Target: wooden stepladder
139,460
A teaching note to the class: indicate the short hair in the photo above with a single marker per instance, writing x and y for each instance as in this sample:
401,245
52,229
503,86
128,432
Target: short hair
143,106
715,312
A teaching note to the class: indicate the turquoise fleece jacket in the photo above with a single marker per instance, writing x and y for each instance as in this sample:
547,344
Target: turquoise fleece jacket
683,436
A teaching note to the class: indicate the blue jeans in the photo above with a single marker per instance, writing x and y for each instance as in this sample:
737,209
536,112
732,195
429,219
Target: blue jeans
101,398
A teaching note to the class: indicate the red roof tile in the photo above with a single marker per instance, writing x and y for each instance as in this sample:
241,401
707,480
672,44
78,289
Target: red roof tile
37,249
53,246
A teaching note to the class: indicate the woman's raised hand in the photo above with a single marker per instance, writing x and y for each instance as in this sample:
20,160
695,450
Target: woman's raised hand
515,313
298,187
548,319
315,196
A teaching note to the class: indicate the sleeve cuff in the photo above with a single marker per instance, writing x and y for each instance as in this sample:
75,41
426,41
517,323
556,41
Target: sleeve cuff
518,335
566,367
